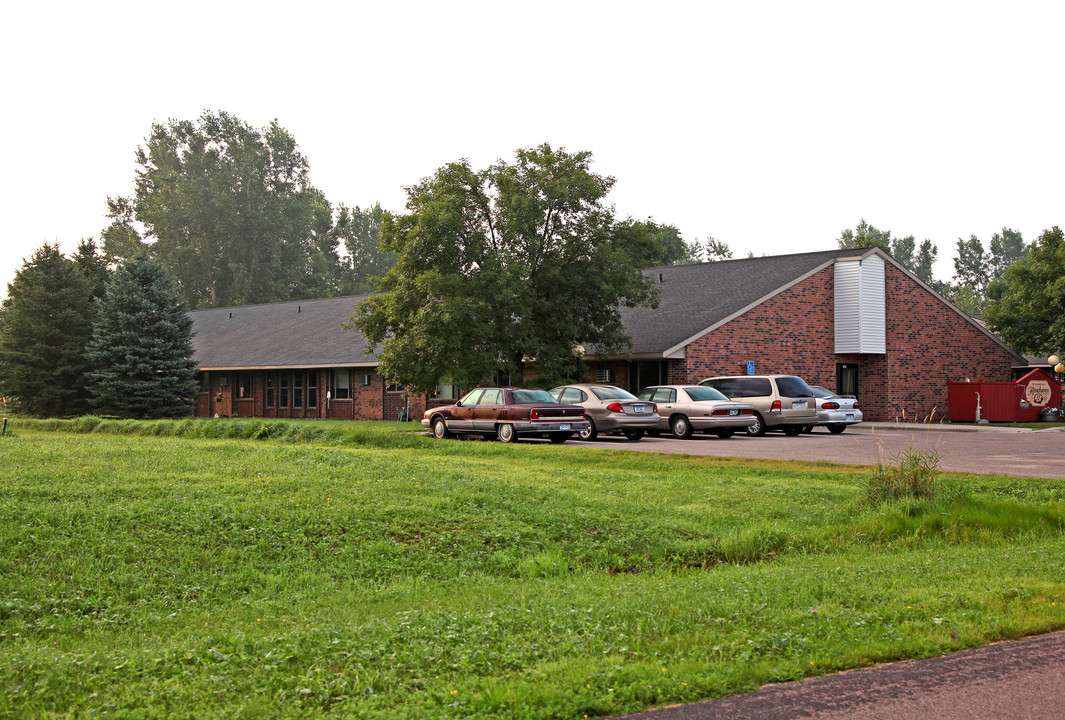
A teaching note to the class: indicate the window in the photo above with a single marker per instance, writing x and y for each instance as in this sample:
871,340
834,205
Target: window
282,388
340,384
665,395
792,387
701,392
271,397
445,391
471,397
530,397
393,388
312,388
612,393
297,388
491,397
757,387
729,387
205,382
244,387
571,395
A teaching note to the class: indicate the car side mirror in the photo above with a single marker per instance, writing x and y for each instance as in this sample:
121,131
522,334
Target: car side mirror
458,403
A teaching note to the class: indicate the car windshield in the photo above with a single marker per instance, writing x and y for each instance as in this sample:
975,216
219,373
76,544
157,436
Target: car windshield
609,392
703,392
529,397
821,392
790,386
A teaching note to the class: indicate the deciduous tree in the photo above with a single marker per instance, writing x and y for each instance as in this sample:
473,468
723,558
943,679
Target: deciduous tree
917,259
359,230
518,263
228,209
141,348
1027,305
976,269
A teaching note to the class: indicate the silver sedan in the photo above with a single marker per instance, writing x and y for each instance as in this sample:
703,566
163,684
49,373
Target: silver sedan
687,408
834,411
609,409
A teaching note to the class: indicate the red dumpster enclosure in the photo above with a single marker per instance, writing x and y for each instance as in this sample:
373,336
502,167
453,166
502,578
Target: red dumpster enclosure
1019,401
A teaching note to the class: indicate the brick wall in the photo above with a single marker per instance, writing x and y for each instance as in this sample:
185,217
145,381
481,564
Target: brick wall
927,344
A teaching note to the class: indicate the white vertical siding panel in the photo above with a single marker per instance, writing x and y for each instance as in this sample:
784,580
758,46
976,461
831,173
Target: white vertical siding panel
859,306
847,307
873,306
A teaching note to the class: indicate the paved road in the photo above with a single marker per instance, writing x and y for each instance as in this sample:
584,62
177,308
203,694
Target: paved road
999,451
1019,680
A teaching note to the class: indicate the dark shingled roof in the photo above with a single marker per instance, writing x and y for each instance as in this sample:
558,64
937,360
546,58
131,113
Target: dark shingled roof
695,298
303,333
308,333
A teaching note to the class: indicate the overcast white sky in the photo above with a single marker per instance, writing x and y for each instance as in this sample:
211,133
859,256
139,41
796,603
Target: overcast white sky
771,126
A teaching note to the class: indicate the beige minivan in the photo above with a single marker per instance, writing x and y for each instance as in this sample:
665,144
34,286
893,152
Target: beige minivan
781,402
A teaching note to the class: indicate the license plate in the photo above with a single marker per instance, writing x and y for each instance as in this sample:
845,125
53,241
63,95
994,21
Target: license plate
799,406
637,408
733,412
850,416
564,426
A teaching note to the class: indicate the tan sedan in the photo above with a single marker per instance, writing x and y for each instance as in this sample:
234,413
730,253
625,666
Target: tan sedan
685,409
609,409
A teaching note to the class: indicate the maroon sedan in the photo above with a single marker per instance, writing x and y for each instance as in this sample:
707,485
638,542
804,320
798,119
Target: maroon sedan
506,413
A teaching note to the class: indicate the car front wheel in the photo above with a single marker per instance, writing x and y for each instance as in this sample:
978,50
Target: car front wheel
505,434
440,430
591,433
758,429
792,430
724,434
633,435
681,427
836,429
559,438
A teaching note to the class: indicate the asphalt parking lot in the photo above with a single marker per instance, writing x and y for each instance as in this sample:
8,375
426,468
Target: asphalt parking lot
985,450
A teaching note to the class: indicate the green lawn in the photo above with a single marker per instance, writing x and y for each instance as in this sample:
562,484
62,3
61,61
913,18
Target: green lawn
357,570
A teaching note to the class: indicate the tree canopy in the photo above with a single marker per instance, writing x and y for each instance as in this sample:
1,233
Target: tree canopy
230,211
141,348
975,269
918,259
45,323
1027,305
521,262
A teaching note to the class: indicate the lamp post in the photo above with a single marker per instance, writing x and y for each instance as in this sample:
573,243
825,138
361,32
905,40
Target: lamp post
578,352
1057,365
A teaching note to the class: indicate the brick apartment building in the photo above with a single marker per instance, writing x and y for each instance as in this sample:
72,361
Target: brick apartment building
851,320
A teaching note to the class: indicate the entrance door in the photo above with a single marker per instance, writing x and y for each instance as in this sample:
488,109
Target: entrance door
847,379
222,397
646,372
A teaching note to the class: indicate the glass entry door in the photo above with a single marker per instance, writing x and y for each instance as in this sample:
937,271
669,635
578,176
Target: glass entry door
847,379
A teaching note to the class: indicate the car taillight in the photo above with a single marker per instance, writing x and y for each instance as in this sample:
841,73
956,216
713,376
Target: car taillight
856,405
534,414
654,408
830,405
776,406
719,412
747,411
615,407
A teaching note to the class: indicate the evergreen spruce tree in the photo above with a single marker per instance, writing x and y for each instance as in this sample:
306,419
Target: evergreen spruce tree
45,324
141,348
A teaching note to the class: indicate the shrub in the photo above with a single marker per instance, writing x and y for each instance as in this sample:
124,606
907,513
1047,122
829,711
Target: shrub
912,474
